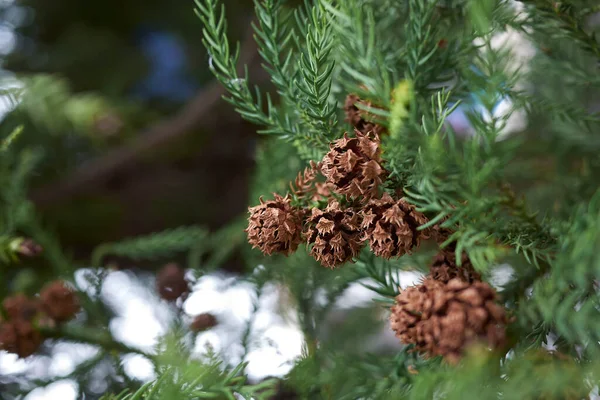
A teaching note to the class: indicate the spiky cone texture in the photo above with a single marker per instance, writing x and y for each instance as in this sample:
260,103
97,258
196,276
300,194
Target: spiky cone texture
203,322
333,234
20,306
20,337
444,267
306,186
275,226
353,166
59,301
443,319
356,117
391,226
171,283
303,186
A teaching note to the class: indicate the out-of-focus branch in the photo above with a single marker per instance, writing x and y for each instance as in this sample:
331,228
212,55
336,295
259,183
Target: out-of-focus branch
190,116
568,21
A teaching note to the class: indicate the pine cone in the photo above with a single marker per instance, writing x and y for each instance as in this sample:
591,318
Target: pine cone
334,234
21,307
8,337
19,337
171,283
442,319
59,301
203,322
275,226
353,166
391,225
355,116
444,267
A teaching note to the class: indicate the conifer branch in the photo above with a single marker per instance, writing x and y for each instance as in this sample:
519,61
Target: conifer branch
316,70
420,45
273,38
161,244
364,69
402,191
224,66
565,15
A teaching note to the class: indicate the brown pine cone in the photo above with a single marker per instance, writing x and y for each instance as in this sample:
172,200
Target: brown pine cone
442,319
275,226
8,337
444,267
59,301
203,322
333,234
18,334
29,339
355,116
171,283
21,307
20,337
353,166
390,226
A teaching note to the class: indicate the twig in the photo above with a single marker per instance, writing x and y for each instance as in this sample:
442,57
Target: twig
189,117
569,22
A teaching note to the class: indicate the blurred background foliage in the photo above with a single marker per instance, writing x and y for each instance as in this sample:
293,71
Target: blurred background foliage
125,135
96,77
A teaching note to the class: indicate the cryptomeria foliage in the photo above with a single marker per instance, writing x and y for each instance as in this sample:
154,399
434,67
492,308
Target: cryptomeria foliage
524,197
516,202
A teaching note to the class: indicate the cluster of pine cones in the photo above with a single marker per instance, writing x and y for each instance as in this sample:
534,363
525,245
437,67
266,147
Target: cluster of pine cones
449,310
356,212
23,316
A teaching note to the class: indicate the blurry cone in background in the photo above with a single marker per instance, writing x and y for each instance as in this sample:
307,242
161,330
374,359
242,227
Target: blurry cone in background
59,301
171,283
203,322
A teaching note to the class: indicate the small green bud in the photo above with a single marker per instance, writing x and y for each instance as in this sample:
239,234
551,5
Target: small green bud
25,247
402,96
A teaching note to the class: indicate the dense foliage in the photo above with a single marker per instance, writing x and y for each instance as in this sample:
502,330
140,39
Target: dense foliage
372,179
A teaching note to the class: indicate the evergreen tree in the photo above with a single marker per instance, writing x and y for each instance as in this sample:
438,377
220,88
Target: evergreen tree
363,174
